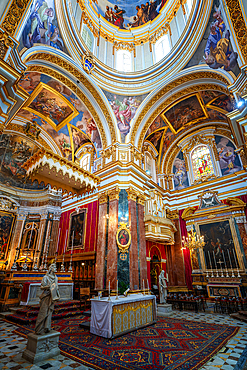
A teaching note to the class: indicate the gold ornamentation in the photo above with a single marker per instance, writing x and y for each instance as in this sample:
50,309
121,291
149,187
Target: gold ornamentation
188,212
238,22
232,201
88,63
78,75
123,238
103,198
14,15
123,46
173,215
141,199
189,77
196,140
5,43
204,179
159,33
32,130
114,194
132,193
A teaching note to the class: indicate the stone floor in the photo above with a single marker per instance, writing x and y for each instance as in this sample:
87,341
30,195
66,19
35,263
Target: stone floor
232,357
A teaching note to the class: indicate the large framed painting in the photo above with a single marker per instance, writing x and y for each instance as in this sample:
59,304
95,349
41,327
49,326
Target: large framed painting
221,245
185,112
6,226
77,229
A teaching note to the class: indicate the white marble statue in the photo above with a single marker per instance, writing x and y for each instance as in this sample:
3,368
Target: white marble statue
50,294
163,280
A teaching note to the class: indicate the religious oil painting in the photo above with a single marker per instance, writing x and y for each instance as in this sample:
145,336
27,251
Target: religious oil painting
41,26
14,152
222,103
216,115
185,112
126,13
6,225
50,105
180,176
123,238
79,118
124,108
219,249
157,124
155,138
209,95
77,229
228,158
79,138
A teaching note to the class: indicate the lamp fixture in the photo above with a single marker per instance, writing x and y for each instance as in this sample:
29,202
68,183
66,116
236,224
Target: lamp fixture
193,241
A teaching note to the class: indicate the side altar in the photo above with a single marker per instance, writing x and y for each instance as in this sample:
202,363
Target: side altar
115,317
23,287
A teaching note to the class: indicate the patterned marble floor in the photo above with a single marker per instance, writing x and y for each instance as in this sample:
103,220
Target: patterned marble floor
232,357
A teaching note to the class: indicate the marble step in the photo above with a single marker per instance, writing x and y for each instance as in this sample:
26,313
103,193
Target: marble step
241,315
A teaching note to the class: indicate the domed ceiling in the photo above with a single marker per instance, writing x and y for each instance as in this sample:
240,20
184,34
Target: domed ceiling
125,13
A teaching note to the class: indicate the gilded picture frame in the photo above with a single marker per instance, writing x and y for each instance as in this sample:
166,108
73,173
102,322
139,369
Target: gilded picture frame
123,238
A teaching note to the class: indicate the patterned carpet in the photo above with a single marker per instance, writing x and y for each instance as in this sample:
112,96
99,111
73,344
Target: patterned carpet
169,344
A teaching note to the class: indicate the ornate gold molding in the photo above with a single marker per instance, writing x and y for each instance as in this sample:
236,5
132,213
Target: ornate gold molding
188,212
239,25
132,193
14,15
232,201
103,198
176,96
114,194
173,215
141,199
5,43
78,75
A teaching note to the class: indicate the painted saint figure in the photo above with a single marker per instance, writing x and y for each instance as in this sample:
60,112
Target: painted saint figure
163,280
50,294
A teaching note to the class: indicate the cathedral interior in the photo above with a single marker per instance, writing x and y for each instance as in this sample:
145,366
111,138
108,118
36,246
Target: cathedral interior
123,153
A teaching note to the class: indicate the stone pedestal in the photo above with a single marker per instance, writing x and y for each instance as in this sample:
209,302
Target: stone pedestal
164,309
41,347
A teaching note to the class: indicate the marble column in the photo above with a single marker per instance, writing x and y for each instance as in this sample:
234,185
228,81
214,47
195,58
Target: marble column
101,240
112,251
133,251
16,240
142,239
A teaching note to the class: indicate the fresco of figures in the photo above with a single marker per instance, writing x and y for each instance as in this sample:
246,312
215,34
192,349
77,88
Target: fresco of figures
41,26
180,177
127,13
59,126
229,159
14,152
124,109
215,48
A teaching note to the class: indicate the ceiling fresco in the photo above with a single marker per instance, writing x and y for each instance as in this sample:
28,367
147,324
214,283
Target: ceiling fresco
124,107
41,26
127,13
205,105
60,113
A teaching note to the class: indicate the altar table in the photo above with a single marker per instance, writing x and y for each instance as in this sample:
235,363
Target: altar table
119,316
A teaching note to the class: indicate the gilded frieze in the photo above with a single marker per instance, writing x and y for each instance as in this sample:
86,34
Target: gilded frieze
14,15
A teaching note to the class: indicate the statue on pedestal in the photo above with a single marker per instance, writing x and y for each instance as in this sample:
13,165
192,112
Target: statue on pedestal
50,294
163,280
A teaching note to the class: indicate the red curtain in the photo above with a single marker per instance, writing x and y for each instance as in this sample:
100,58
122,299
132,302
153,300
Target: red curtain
186,252
244,199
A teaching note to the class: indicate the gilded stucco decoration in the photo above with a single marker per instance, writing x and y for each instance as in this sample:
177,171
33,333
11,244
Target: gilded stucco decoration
78,75
5,43
14,15
172,98
239,26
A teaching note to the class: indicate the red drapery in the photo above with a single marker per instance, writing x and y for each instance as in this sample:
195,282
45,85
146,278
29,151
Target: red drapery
186,253
244,199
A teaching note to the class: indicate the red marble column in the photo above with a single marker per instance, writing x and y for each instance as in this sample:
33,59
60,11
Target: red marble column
101,239
142,242
112,251
133,251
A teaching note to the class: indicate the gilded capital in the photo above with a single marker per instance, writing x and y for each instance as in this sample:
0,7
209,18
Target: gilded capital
103,198
141,199
114,193
132,193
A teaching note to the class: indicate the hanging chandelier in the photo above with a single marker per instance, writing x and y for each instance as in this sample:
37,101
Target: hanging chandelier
193,241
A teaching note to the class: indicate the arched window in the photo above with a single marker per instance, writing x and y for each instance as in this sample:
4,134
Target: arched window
123,61
87,38
85,162
201,160
162,47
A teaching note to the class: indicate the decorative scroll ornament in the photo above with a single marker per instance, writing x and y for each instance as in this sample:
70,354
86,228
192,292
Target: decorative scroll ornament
208,199
88,63
123,238
32,130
